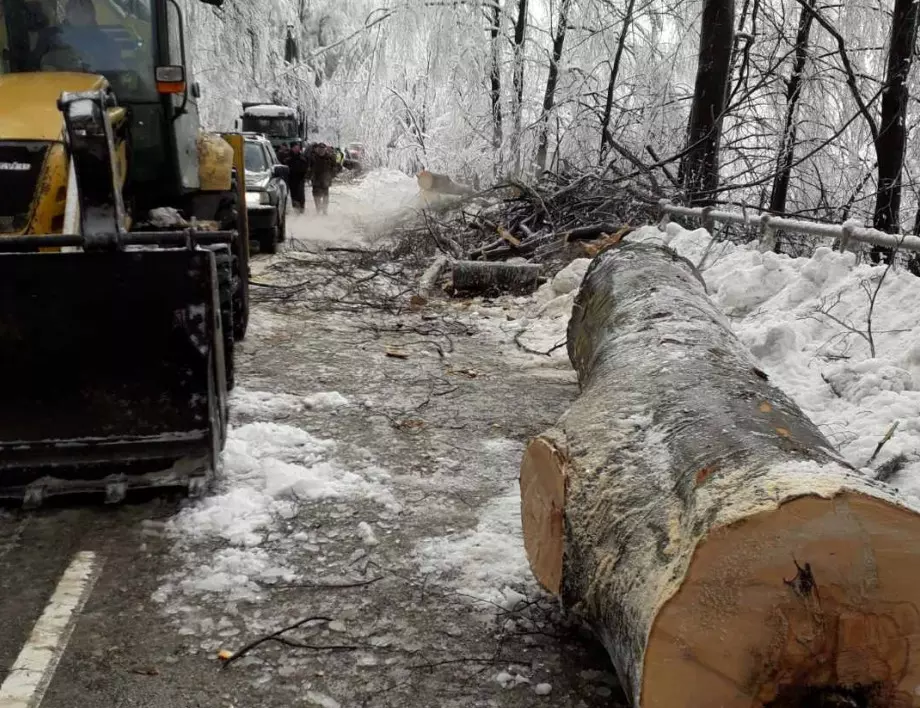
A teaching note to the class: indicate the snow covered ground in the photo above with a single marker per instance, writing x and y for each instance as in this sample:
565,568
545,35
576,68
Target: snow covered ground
357,208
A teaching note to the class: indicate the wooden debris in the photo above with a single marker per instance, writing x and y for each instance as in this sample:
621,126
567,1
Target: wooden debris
440,184
430,277
721,549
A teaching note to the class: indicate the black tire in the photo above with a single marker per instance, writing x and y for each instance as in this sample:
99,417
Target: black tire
228,216
268,240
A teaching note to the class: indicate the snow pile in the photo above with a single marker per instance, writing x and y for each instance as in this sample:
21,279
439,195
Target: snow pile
484,562
270,473
807,322
267,405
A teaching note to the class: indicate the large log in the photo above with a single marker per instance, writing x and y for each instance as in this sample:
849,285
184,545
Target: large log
440,184
479,277
720,548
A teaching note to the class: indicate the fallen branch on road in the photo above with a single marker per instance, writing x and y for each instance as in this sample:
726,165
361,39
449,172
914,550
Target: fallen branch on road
269,637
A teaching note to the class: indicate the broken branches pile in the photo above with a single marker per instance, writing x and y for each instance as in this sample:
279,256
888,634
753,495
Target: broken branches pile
552,221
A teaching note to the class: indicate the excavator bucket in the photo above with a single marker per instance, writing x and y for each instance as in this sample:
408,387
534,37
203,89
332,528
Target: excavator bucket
113,370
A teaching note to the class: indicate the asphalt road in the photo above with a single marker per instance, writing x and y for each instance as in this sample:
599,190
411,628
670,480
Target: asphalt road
125,651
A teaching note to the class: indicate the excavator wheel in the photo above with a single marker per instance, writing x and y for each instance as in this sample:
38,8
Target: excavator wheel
224,262
228,216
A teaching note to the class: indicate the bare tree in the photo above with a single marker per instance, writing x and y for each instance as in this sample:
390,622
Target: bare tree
699,168
549,96
892,135
793,92
520,32
606,138
495,76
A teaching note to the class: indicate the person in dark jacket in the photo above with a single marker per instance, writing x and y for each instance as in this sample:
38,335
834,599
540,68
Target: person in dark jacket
298,166
323,167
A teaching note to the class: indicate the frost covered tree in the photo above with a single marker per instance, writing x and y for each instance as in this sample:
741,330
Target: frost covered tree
699,168
892,131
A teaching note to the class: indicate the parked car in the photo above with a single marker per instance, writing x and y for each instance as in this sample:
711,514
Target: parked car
267,193
355,157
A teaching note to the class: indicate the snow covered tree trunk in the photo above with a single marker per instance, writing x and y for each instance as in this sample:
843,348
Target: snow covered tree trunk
606,138
892,135
549,96
520,34
793,93
702,525
495,81
477,277
699,168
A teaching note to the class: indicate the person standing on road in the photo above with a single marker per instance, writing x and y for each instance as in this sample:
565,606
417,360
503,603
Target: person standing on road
298,166
323,167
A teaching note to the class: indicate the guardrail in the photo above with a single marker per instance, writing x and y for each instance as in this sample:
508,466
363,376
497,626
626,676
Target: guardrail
769,224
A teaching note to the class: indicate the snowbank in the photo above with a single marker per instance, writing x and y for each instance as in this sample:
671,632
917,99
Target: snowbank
270,472
266,405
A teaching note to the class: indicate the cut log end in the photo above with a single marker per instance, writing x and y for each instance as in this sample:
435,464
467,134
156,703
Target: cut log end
813,604
542,504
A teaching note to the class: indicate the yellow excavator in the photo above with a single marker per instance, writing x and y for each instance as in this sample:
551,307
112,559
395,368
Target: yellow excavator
123,254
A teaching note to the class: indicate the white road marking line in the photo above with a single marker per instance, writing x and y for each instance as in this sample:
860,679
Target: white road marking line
31,674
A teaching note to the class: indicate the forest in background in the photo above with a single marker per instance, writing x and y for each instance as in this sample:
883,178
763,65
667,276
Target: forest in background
804,107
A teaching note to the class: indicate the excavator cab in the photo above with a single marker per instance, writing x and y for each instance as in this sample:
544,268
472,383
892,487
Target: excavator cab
123,253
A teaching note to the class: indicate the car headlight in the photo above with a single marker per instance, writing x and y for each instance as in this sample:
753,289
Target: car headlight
257,198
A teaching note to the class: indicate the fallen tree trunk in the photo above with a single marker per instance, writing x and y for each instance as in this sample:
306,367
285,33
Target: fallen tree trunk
720,548
477,277
440,184
430,276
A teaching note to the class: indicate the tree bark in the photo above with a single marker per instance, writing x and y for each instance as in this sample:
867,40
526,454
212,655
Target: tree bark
892,134
476,277
691,513
700,166
495,80
787,143
520,35
606,138
549,96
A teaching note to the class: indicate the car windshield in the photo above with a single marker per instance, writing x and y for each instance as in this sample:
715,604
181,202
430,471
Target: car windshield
109,37
255,158
274,126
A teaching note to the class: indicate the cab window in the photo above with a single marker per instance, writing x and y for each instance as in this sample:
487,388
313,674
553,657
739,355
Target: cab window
109,37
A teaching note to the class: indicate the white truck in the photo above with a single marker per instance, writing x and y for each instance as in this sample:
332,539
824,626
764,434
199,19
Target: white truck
280,124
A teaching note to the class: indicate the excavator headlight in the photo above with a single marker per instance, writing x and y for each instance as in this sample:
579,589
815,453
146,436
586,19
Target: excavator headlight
170,79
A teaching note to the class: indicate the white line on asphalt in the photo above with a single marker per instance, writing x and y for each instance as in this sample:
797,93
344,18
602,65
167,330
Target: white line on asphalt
31,674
